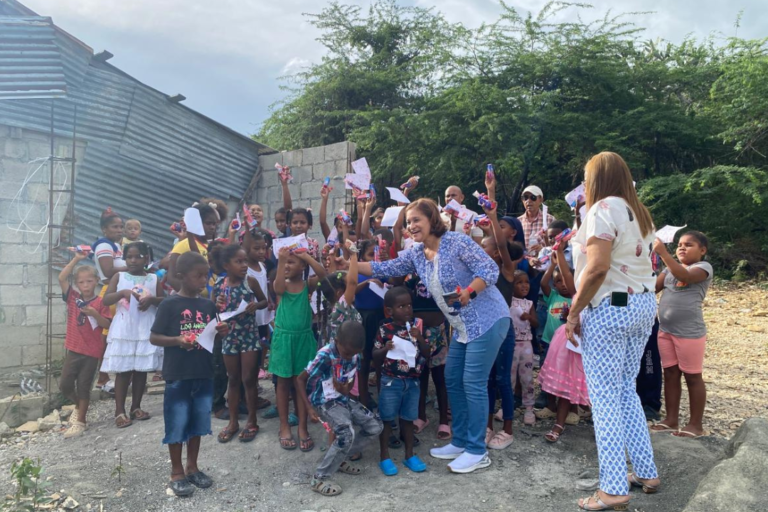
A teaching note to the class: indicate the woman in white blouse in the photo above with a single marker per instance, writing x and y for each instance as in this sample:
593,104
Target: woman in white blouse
613,312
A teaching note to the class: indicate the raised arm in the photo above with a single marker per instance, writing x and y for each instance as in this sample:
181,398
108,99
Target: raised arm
565,270
398,267
67,271
545,288
687,275
287,202
324,227
316,266
349,292
279,283
366,224
508,265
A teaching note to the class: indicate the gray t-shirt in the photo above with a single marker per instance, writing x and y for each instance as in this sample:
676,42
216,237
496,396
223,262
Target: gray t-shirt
680,305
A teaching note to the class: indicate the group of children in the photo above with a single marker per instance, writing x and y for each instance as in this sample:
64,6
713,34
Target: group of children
328,335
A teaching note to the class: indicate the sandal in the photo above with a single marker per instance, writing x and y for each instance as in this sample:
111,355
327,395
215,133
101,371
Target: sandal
634,481
572,419
663,428
262,403
248,434
595,503
394,442
75,429
553,436
123,421
139,415
226,435
444,432
325,488
420,425
688,434
356,457
545,413
306,444
349,469
500,441
287,443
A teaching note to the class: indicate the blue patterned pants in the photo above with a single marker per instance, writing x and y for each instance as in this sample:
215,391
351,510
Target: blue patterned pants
613,342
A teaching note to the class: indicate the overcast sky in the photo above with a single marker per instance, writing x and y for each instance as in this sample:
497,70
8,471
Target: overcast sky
226,56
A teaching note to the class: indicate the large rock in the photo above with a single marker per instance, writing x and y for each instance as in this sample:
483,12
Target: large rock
740,481
30,426
49,422
5,430
16,410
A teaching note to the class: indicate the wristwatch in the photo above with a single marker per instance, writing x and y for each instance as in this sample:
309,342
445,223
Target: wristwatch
472,293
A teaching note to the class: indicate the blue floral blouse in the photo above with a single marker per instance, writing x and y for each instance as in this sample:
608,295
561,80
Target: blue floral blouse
459,260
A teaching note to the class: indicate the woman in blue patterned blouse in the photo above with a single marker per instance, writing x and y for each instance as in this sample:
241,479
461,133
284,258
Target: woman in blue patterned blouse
446,260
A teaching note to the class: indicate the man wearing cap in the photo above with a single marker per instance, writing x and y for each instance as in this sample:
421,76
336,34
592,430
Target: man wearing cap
533,219
453,223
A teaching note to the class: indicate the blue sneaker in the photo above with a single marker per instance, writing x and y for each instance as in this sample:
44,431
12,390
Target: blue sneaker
293,420
415,464
270,413
388,467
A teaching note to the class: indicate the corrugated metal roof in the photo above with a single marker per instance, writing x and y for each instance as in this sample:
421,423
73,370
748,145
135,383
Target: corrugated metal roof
146,157
30,60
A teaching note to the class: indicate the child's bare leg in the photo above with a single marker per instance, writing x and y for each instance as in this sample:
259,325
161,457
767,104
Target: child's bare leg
301,412
193,449
122,381
177,468
384,440
283,389
232,363
423,388
552,402
249,368
406,429
672,392
139,383
563,408
697,393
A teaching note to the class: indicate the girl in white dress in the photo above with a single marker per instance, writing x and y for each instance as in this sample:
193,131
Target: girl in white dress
129,353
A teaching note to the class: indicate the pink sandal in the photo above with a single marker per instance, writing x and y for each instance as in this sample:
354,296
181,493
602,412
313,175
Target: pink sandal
445,430
420,425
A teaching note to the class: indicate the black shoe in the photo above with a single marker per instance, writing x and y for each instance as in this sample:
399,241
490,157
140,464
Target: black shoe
651,414
181,487
200,480
416,441
394,442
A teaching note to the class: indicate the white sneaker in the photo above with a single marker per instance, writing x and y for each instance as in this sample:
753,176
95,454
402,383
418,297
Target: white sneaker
467,463
447,452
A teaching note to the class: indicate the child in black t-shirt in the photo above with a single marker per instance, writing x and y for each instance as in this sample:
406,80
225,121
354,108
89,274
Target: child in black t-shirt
188,371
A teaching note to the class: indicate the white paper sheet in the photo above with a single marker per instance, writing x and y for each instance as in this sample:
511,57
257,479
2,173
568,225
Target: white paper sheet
667,233
313,303
397,195
404,350
229,314
361,167
390,216
292,242
193,221
133,310
206,338
361,181
572,197
94,323
381,291
573,348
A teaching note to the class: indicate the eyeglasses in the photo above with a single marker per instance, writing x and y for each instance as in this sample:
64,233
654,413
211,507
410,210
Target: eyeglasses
529,197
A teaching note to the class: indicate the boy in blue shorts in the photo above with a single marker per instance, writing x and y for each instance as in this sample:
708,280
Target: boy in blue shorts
188,371
400,376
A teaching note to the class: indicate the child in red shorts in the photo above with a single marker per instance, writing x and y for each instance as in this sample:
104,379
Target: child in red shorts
86,317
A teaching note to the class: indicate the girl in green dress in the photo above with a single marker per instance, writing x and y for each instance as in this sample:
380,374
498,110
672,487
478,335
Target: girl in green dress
293,342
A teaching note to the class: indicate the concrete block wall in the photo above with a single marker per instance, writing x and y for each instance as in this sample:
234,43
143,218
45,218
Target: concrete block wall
309,168
24,243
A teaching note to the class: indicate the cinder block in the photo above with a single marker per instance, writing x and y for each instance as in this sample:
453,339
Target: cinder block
294,190
10,253
321,170
269,178
5,130
310,190
20,409
11,274
37,315
14,295
15,132
268,161
32,355
16,170
38,193
301,174
38,274
292,158
338,151
342,167
313,155
15,148
38,148
20,335
10,316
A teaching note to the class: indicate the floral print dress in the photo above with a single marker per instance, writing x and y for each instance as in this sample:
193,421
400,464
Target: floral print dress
243,334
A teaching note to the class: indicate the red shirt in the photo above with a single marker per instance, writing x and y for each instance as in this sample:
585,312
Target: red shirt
82,337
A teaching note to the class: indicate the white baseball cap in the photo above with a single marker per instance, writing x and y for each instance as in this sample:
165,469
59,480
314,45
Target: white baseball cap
533,189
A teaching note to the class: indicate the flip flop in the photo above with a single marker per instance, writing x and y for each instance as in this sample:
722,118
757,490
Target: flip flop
689,435
306,444
420,425
123,421
226,435
444,432
664,428
248,434
139,415
288,443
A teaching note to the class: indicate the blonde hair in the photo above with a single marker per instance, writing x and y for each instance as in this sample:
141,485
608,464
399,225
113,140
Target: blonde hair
133,221
607,175
86,268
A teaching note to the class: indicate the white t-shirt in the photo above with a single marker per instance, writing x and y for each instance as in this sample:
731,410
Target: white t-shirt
475,232
105,250
631,270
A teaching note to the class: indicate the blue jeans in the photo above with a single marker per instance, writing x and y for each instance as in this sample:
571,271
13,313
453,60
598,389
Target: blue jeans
187,409
399,397
500,378
466,375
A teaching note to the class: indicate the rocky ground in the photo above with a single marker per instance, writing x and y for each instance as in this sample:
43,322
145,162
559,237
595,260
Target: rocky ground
531,474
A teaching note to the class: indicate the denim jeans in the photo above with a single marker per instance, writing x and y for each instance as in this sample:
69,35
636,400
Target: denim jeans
342,418
466,375
187,409
500,378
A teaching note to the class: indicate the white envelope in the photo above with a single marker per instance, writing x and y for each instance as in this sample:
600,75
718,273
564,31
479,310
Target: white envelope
390,216
397,195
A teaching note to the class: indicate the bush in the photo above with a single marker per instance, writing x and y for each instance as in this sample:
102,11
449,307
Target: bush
727,203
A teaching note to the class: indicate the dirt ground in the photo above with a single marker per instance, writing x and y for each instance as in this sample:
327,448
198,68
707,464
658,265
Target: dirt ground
531,474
